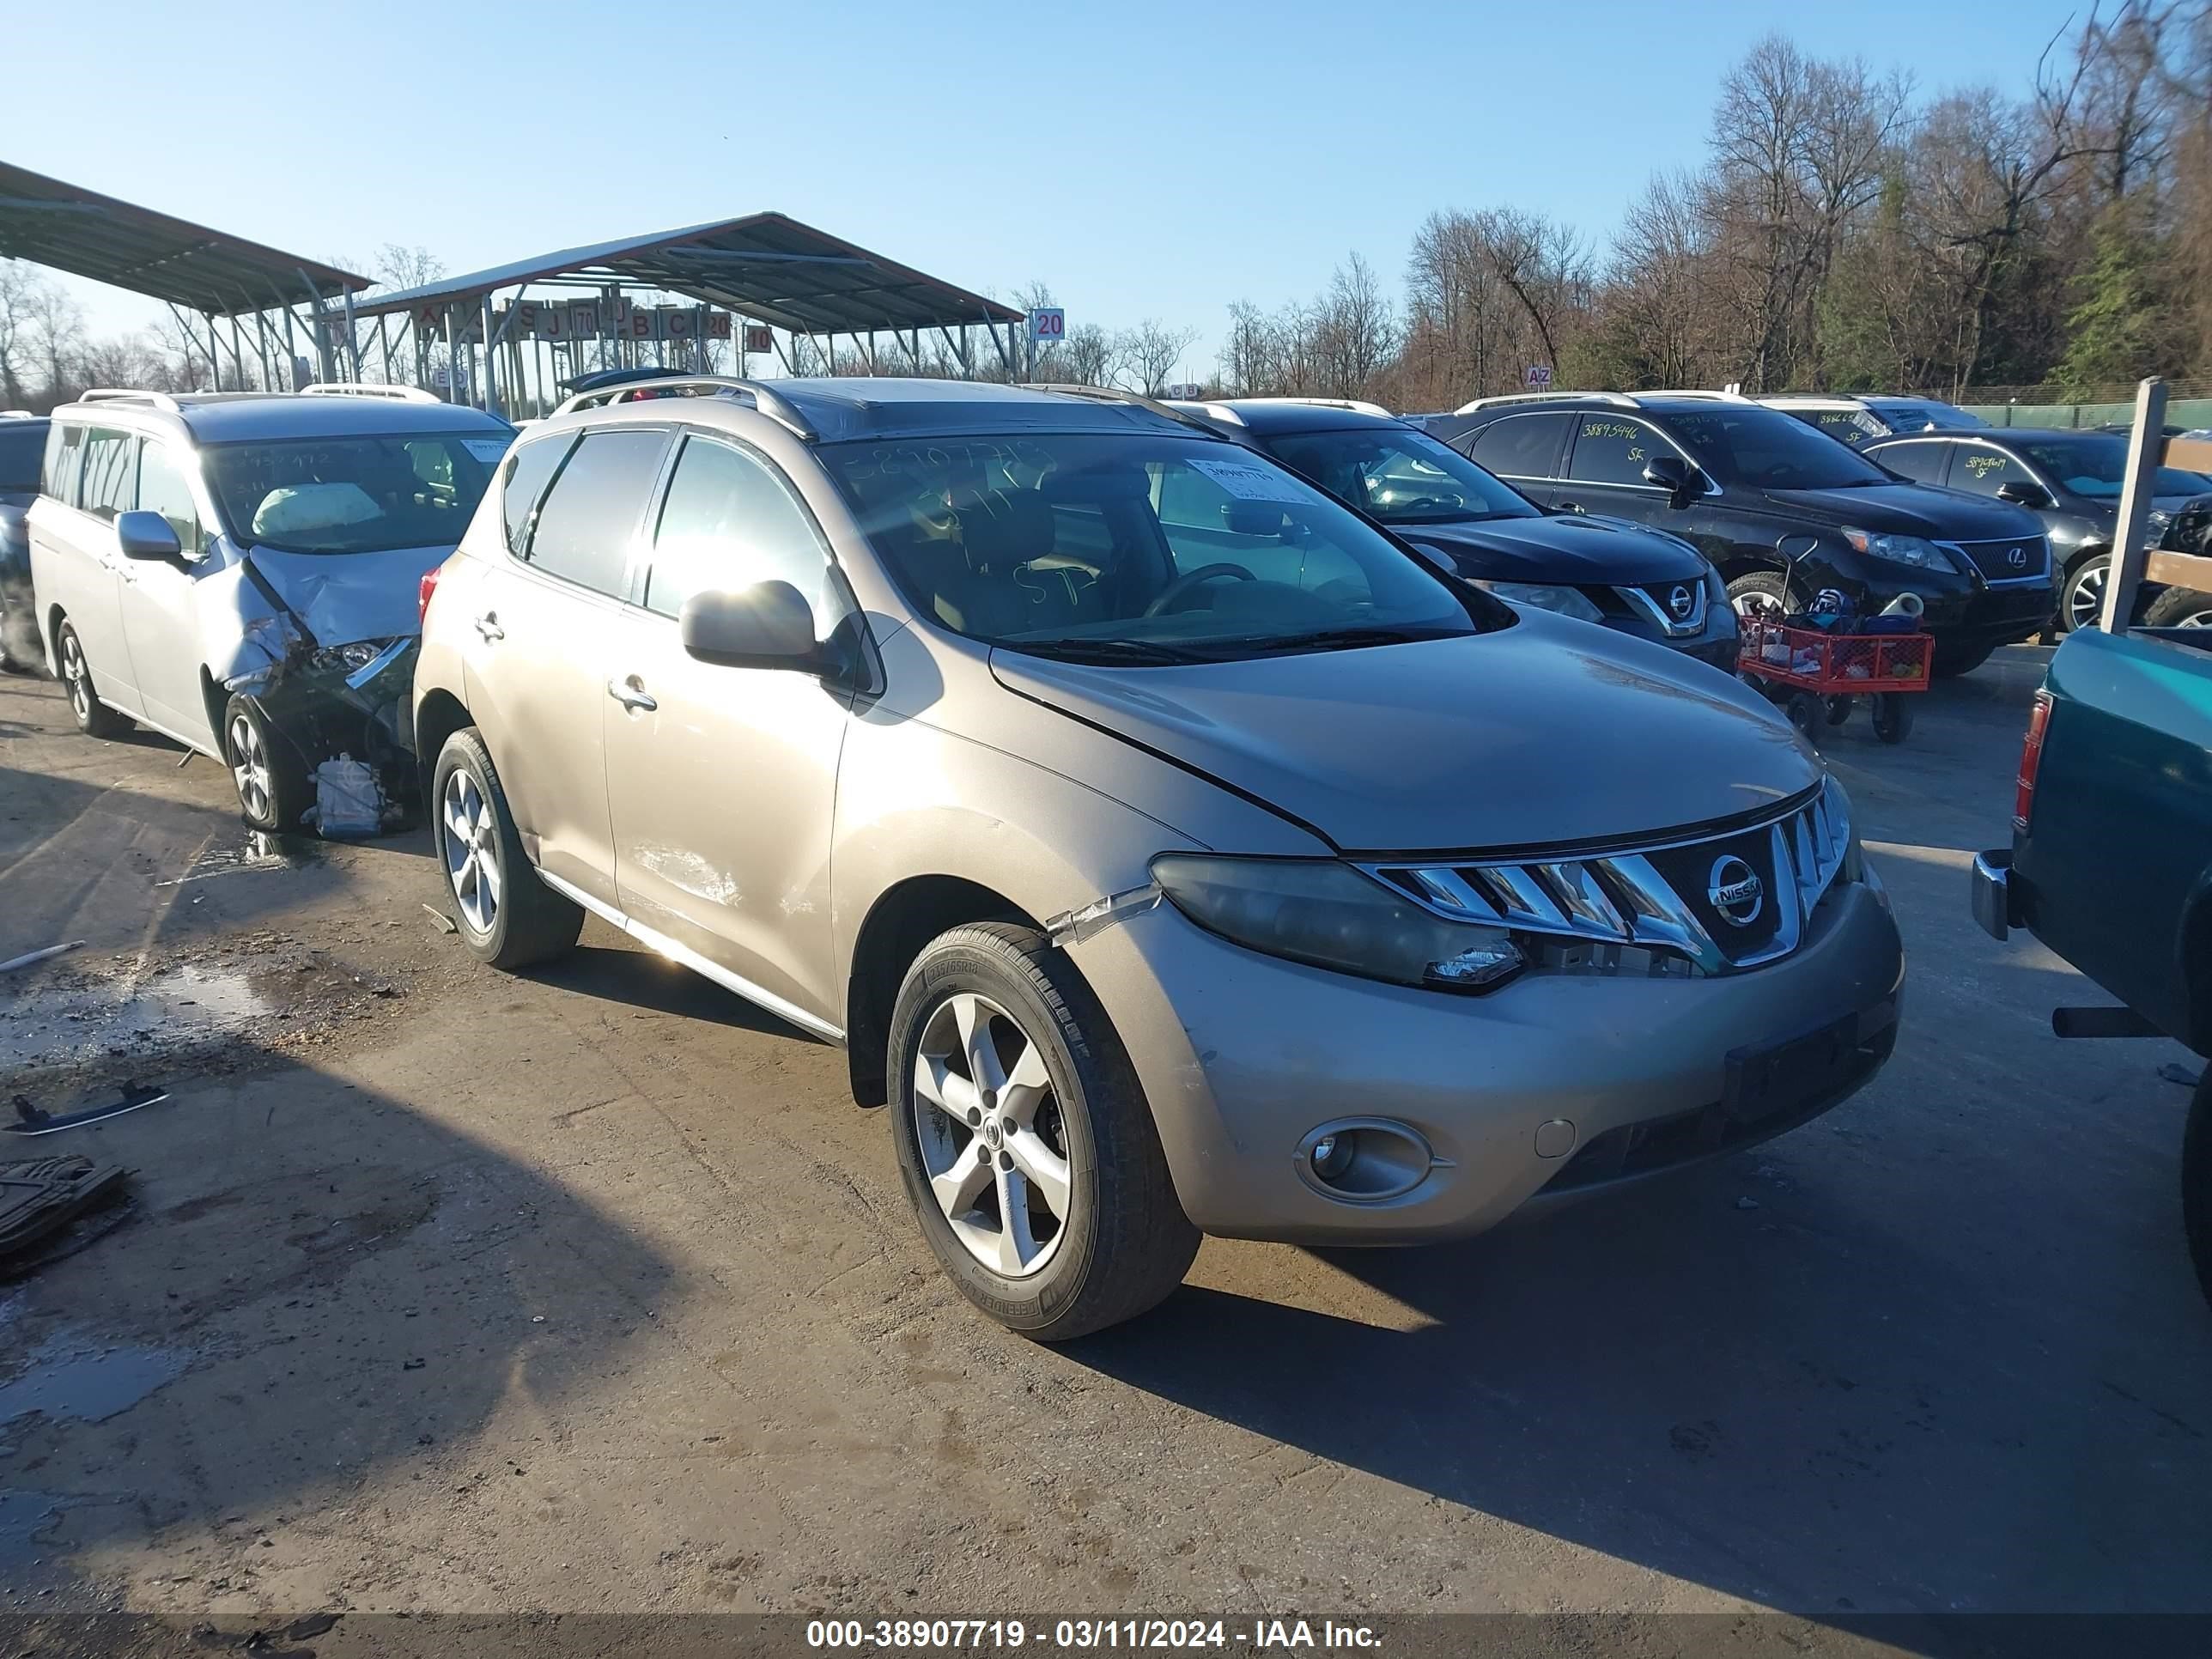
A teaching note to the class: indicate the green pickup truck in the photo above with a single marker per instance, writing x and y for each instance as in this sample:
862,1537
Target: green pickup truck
2111,860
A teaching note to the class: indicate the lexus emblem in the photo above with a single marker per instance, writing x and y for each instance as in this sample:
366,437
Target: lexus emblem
1680,601
2017,558
1736,890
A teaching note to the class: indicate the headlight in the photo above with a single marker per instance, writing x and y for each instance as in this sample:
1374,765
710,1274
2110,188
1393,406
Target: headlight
1567,601
2156,523
1900,549
349,658
1327,913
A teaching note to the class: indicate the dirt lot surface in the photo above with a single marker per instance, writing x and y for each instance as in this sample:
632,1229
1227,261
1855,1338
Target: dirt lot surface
592,1290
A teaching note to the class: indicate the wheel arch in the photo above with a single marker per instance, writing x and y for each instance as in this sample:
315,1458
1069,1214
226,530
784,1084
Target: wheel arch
2196,966
437,717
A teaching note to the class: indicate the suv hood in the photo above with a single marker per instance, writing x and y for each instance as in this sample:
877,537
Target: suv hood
1911,509
1574,549
344,597
1542,735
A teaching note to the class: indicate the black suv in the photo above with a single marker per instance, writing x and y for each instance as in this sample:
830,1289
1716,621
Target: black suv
2071,481
1641,581
22,447
1782,511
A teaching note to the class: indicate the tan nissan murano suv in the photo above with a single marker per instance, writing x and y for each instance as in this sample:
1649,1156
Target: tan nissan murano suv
1173,849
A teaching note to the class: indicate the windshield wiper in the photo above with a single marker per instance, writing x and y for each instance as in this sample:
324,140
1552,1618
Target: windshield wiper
1338,639
1105,651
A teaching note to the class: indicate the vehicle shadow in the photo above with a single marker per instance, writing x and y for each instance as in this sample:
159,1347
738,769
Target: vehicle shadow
346,1306
637,978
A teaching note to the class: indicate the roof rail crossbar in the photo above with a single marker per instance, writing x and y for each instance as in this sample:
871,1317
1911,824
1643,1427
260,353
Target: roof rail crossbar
1620,399
770,403
408,394
116,394
1110,394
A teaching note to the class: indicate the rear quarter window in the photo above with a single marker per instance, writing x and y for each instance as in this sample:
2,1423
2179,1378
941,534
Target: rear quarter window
1519,445
522,480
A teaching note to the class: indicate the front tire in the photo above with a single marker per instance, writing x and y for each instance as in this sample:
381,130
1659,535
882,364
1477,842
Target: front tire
266,768
508,916
2081,595
94,718
2179,607
1892,715
1025,1140
1760,595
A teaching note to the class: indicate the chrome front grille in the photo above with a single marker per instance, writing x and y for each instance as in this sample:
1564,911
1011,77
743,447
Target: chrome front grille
1658,603
1993,559
1679,899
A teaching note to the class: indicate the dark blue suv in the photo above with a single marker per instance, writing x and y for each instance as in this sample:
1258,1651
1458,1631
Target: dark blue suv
22,450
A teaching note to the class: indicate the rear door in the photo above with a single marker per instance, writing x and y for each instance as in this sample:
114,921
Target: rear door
160,615
541,625
722,782
1525,450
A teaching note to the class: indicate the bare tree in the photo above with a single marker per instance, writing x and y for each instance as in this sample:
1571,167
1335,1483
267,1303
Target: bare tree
1143,356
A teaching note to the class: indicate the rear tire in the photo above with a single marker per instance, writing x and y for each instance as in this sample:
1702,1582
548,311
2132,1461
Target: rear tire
266,769
1953,660
94,718
1053,1067
2196,1183
1804,710
508,916
2179,607
1892,715
1838,710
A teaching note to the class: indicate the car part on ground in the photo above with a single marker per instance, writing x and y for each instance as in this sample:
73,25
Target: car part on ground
998,655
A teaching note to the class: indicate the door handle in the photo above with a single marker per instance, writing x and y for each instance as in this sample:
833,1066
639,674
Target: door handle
630,695
1570,507
488,627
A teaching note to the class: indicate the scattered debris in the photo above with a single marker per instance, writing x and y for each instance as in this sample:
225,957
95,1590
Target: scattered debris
30,1121
2175,1072
30,956
349,801
259,851
40,1195
446,923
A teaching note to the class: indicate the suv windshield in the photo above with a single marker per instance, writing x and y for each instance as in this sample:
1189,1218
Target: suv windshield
22,449
1399,476
366,495
2094,463
1765,449
1137,548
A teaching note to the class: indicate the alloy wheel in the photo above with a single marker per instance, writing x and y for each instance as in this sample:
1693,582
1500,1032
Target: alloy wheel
2085,595
249,768
468,839
994,1143
74,676
1755,606
2200,617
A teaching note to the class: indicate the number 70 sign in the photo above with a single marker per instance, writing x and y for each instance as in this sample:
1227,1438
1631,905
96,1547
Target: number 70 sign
1048,326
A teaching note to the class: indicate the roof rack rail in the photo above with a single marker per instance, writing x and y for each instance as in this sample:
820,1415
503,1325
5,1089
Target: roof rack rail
1620,399
406,394
1219,412
768,402
1721,397
19,415
114,394
1357,405
1111,394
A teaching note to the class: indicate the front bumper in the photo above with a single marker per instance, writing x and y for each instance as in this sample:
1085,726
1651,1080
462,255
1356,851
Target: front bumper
1244,1057
1993,615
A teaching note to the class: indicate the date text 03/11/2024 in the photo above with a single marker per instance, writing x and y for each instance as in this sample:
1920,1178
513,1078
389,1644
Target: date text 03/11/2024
937,1635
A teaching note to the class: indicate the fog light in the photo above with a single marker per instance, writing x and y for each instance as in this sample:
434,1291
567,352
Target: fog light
1331,1155
1366,1160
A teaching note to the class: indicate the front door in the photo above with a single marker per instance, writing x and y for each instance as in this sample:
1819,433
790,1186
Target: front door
722,782
1605,472
161,617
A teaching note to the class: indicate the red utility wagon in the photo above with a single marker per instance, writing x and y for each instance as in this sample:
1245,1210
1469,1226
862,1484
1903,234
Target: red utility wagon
1815,676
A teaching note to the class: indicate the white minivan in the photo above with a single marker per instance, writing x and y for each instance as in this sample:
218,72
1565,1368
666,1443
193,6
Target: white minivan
240,572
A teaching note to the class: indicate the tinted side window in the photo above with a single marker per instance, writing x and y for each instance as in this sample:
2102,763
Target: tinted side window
586,524
522,480
65,447
728,522
106,487
163,488
1522,445
1612,449
1980,471
1922,463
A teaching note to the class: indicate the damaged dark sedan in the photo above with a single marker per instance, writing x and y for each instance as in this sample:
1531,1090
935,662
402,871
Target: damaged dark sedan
240,572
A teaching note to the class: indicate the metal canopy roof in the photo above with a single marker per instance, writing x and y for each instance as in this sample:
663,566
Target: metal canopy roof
70,228
765,266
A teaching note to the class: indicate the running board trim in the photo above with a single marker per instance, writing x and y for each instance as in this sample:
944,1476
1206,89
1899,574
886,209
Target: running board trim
685,957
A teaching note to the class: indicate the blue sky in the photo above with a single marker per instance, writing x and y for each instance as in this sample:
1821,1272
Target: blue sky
1143,159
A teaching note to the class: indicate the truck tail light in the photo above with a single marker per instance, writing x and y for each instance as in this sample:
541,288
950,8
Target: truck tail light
422,593
2031,760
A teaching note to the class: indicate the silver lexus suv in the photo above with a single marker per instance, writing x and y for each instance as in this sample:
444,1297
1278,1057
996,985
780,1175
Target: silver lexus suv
1173,849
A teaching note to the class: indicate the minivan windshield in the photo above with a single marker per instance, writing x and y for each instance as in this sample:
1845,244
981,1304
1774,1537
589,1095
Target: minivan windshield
2094,463
354,494
1763,448
1137,548
1399,476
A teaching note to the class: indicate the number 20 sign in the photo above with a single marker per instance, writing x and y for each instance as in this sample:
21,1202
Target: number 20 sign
1048,326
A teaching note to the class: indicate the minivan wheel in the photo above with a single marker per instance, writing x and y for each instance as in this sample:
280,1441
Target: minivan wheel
1025,1140
2082,596
508,916
1760,595
94,718
266,768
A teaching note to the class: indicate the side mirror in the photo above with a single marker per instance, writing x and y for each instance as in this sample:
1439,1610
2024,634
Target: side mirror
1672,474
768,625
147,536
2021,493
